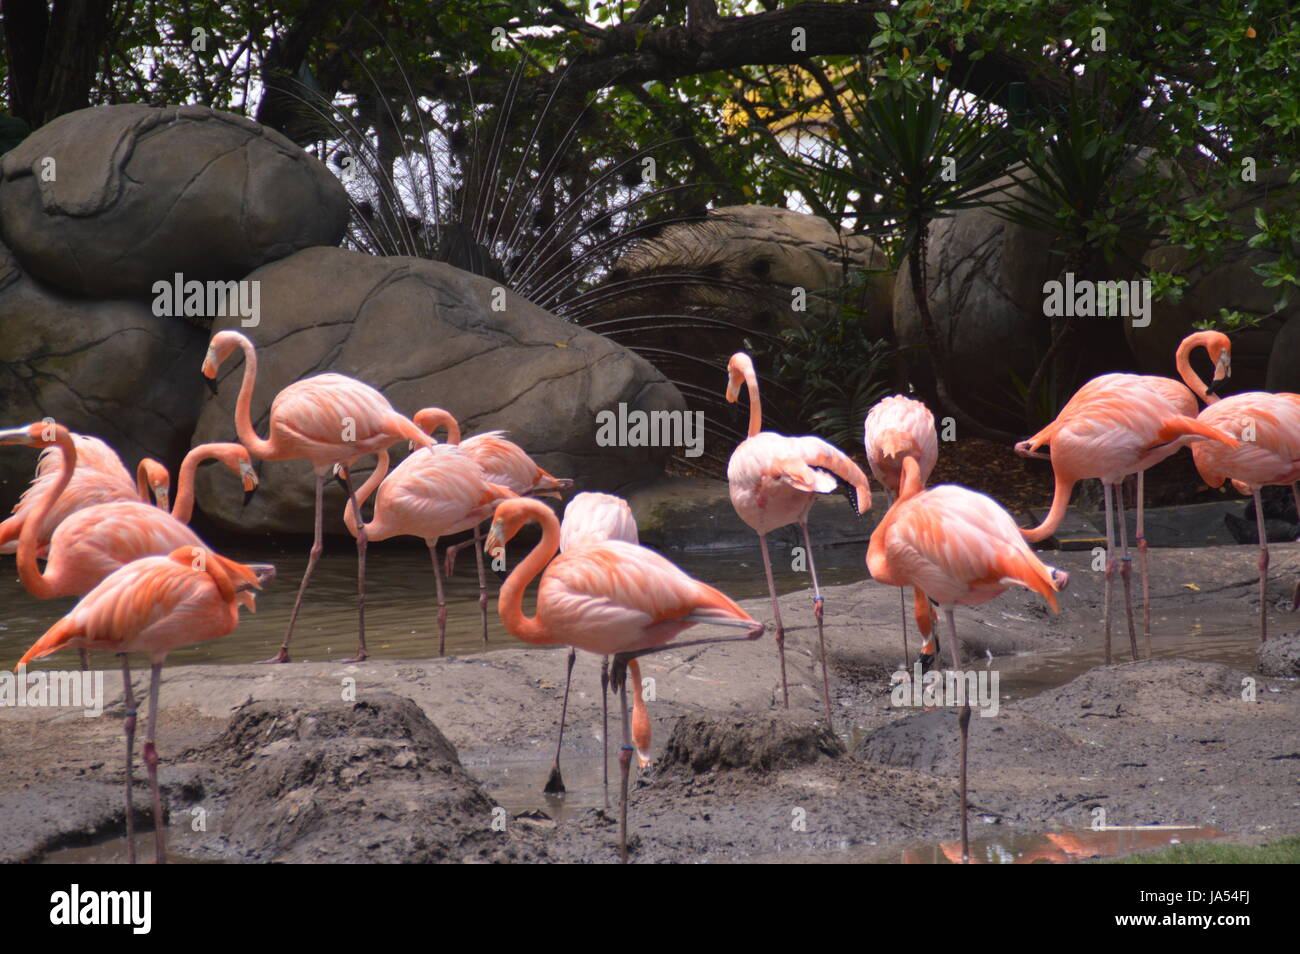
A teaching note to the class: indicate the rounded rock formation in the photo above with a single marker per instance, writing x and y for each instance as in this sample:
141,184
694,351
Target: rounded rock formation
104,202
427,334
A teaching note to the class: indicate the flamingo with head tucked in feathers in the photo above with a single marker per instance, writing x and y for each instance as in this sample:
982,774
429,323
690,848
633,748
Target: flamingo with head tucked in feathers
895,428
773,481
593,518
327,419
505,463
433,493
1268,429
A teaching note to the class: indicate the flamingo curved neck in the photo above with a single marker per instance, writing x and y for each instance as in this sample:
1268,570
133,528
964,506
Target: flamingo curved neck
29,574
510,604
264,449
183,505
755,405
1190,378
1060,503
142,481
363,494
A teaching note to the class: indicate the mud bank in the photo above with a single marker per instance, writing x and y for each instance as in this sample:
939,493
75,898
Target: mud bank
415,761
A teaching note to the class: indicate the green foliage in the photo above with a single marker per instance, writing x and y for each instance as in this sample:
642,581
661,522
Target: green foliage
1284,851
835,369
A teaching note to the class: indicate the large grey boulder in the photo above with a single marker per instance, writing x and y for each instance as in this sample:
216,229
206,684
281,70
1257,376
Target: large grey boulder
426,334
104,202
108,368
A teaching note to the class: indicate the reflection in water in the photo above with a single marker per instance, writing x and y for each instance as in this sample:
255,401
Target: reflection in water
1053,847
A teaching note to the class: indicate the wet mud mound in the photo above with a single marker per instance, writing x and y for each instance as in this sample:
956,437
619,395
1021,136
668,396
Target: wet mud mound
1280,656
931,742
1169,692
370,781
765,743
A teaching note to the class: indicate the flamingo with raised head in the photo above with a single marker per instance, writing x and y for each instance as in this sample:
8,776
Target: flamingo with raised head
611,598
432,493
504,462
1267,427
959,548
153,605
101,477
592,518
773,481
1109,433
897,427
326,419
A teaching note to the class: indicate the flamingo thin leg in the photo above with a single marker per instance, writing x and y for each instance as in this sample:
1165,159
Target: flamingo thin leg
776,612
1126,569
482,587
1263,568
317,546
1110,565
555,783
818,607
604,725
963,723
128,725
151,762
361,569
624,757
1142,560
442,599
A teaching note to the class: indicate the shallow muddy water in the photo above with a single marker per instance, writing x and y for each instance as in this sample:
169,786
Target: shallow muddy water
401,605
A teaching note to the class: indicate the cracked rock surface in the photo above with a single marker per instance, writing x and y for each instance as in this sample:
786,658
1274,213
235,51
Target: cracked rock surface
103,202
426,334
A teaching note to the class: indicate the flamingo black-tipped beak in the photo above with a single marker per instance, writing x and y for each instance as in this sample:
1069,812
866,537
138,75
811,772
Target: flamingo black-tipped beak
248,495
1210,388
212,384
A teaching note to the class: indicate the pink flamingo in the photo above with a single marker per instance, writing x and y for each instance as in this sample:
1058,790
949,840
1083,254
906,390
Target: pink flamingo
93,542
432,493
1183,399
957,547
1268,429
100,478
153,605
897,427
326,419
1111,432
611,598
593,518
504,462
773,482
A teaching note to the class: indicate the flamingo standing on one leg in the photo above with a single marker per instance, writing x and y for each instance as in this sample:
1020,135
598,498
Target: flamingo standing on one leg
504,462
100,478
773,482
432,493
592,518
1111,433
153,605
1268,428
610,598
898,427
326,419
960,548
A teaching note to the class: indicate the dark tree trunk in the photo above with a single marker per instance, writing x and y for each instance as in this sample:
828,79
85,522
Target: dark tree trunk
53,55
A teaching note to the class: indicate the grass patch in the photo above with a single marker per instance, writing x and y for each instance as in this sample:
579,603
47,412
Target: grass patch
1285,851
